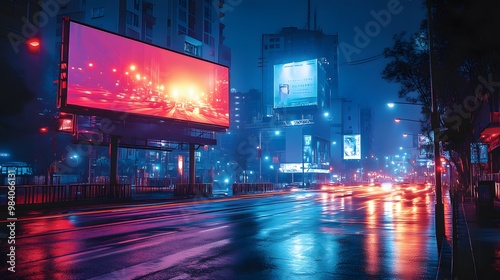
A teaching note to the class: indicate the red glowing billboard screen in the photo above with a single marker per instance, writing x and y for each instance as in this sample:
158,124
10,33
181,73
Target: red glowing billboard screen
110,73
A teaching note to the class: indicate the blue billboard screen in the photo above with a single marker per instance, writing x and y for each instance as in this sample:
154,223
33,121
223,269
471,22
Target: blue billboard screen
296,84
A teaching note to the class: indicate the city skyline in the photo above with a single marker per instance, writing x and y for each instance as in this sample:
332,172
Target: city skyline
360,65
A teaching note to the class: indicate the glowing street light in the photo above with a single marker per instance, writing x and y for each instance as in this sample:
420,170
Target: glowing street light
392,104
406,134
408,120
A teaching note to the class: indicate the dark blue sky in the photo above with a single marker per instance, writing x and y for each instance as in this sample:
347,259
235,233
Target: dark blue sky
247,20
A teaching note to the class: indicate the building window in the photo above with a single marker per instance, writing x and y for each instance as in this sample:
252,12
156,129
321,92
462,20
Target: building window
97,12
191,22
137,5
182,29
208,27
149,29
208,13
209,40
182,15
183,3
148,9
349,118
132,19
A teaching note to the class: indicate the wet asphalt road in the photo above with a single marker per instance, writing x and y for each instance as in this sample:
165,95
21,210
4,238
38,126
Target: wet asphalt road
356,233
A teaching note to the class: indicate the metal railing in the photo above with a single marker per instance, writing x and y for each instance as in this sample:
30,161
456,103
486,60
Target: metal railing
252,187
38,194
192,189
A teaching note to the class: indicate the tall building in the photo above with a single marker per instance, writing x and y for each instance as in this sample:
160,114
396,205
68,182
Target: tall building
186,26
293,45
299,86
244,108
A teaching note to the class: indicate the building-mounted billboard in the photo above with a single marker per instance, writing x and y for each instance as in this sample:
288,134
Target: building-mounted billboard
352,146
425,147
106,73
296,84
478,153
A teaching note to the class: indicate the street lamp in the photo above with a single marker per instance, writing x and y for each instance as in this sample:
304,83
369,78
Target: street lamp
408,120
406,134
392,104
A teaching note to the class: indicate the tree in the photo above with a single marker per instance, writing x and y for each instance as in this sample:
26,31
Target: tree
466,60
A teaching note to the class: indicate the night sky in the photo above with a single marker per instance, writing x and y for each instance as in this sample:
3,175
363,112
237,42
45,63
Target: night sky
361,82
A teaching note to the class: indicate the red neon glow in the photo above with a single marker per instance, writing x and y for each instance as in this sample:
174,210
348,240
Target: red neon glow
180,164
34,42
141,79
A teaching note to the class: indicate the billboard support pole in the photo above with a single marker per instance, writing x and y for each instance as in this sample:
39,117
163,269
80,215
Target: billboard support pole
113,160
192,160
439,208
303,143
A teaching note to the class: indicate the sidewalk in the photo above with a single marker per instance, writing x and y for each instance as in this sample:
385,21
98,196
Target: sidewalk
479,243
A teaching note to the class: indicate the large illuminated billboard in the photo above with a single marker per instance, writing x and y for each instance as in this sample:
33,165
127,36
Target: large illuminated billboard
296,84
352,146
109,73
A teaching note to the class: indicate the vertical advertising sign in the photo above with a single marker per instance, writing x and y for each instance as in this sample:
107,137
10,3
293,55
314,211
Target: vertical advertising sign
296,84
352,146
478,153
425,147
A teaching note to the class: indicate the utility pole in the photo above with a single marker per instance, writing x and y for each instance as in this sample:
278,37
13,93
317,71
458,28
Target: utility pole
439,208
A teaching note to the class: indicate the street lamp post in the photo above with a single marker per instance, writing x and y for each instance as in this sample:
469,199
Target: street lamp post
407,120
439,208
392,104
259,153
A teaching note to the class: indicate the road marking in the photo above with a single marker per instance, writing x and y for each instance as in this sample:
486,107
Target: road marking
144,237
213,228
181,277
162,263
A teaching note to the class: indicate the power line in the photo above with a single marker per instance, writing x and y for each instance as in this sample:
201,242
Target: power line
364,60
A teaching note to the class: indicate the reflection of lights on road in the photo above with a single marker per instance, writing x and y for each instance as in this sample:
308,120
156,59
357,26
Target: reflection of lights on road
386,186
